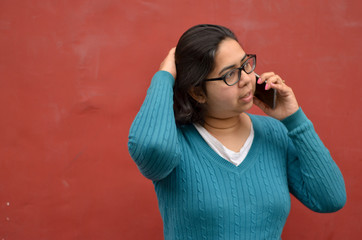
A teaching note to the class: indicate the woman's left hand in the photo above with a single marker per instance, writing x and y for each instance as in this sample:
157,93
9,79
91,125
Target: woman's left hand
286,103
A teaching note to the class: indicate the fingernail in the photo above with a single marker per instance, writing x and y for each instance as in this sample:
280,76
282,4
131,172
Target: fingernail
259,80
266,86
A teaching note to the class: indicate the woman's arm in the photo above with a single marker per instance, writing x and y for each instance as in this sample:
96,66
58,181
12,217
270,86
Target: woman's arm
313,176
152,139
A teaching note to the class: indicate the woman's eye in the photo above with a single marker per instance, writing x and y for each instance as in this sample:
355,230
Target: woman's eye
230,74
247,66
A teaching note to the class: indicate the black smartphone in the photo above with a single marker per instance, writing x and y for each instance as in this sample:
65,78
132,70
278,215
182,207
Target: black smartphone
269,97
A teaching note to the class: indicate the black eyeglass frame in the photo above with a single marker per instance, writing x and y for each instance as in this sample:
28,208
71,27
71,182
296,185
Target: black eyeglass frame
249,56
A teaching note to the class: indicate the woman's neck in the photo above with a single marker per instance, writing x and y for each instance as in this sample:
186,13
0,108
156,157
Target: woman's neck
231,132
226,125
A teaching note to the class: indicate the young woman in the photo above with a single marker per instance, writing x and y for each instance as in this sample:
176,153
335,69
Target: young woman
218,172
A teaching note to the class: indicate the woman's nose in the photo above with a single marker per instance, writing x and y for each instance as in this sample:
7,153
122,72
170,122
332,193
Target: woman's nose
244,79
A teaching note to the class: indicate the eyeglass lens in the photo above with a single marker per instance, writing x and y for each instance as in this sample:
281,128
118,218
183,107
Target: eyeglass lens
234,75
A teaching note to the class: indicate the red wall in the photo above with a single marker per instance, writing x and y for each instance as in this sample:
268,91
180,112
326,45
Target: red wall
73,75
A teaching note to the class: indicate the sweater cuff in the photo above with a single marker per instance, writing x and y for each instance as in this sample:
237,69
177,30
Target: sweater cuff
296,119
162,76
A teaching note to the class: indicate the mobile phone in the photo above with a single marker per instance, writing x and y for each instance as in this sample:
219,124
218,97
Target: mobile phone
269,97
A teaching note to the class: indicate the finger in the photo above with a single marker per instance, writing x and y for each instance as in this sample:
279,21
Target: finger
265,76
274,80
171,54
271,80
277,86
269,77
259,79
168,64
262,78
172,51
280,87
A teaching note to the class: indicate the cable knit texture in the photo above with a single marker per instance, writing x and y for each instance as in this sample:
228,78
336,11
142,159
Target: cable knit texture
203,196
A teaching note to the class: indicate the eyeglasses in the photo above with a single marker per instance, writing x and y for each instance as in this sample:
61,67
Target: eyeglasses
233,76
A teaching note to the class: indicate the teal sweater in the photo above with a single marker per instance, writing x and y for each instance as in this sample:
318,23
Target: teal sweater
203,196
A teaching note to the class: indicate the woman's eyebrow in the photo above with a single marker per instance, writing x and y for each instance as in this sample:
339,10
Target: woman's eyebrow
231,66
226,68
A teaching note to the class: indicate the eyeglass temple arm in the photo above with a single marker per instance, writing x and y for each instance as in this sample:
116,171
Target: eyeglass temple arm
213,79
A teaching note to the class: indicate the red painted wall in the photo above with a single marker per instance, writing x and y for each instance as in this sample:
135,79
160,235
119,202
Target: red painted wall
73,75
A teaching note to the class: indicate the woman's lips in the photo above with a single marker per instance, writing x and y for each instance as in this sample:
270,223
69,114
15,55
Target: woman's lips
247,97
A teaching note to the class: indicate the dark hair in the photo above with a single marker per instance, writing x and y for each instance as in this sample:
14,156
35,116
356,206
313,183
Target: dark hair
194,56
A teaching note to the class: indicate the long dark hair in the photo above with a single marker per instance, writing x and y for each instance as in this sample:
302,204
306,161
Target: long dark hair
195,53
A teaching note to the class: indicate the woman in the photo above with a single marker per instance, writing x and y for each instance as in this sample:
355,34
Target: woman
218,172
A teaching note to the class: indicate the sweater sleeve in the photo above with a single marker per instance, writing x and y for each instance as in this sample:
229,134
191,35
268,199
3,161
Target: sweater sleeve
152,140
313,176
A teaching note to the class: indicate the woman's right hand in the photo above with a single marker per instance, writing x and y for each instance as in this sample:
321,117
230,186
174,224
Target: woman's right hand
168,64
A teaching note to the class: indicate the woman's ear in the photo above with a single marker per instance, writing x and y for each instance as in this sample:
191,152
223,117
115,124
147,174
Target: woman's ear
197,94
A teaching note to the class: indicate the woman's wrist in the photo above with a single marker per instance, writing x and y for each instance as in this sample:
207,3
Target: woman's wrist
294,120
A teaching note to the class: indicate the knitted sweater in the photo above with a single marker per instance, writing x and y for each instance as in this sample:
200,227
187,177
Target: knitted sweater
203,196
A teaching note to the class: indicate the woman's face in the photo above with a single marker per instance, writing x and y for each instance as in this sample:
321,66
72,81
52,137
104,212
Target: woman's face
223,101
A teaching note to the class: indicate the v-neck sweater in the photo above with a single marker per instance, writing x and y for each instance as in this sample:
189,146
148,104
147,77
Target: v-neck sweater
234,157
202,196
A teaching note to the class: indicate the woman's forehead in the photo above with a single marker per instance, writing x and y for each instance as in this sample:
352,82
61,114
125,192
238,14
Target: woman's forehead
229,52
